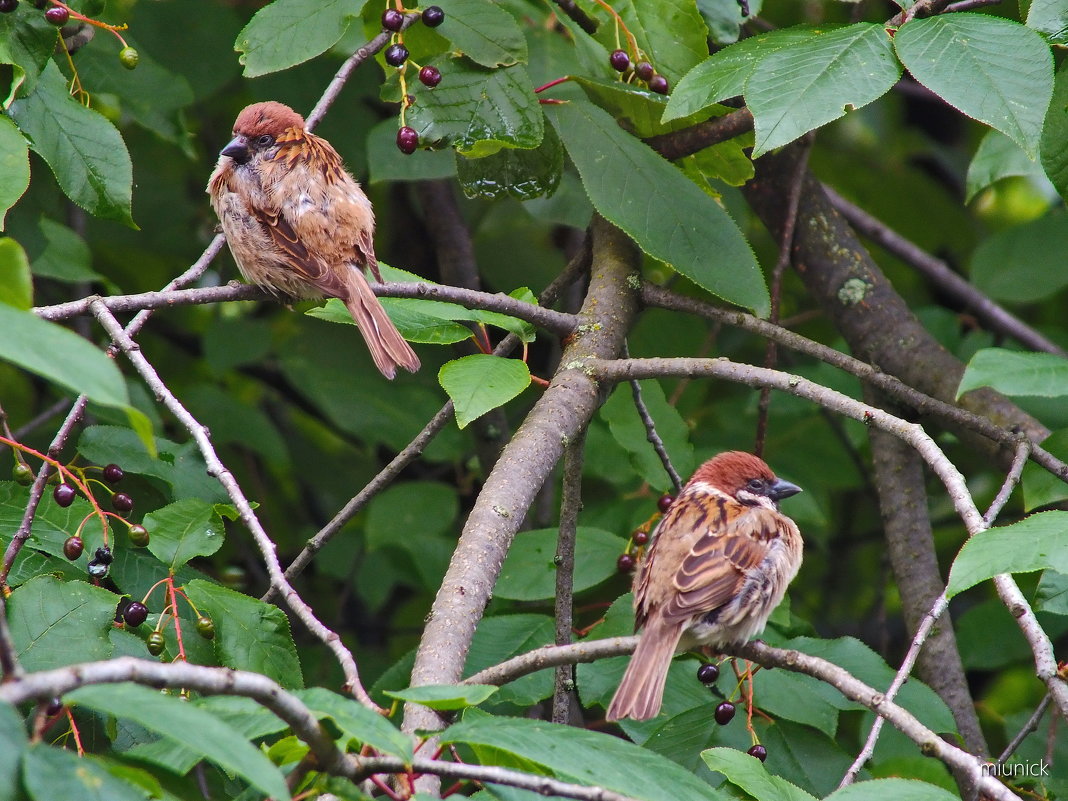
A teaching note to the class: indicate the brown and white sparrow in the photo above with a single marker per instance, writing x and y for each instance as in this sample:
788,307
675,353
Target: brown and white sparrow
720,561
299,224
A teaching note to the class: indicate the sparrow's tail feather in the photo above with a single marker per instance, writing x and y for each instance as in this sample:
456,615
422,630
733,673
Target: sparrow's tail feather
641,691
388,348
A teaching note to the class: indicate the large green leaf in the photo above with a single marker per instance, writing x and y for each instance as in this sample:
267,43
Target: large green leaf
1013,373
12,744
751,776
431,507
51,773
510,172
1050,18
84,150
1038,542
992,69
999,157
14,166
529,570
579,755
892,790
1055,134
797,89
629,431
500,637
47,616
476,384
28,43
184,529
195,728
16,283
357,721
249,634
1022,264
484,32
1041,487
669,216
289,32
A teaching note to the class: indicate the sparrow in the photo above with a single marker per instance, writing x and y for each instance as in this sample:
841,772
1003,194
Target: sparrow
299,225
719,563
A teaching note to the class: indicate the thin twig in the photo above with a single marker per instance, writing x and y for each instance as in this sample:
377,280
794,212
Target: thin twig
651,436
570,504
1019,459
1030,726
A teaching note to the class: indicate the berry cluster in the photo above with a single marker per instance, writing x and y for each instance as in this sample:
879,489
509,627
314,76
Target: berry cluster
133,613
708,674
639,538
397,55
59,14
643,70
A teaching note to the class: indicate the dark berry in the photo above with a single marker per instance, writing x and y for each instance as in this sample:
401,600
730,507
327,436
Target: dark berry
430,76
135,613
625,563
708,673
205,628
7,6
129,57
392,20
644,70
113,474
724,713
619,60
758,751
433,16
139,535
64,495
155,643
407,140
103,555
97,569
57,15
122,502
73,547
640,537
659,84
396,54
55,706
22,473
665,503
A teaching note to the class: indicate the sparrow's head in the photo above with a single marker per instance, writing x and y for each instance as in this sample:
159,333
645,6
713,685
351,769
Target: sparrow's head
745,477
259,127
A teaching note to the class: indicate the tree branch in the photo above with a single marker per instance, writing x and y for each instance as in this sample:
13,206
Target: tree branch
570,504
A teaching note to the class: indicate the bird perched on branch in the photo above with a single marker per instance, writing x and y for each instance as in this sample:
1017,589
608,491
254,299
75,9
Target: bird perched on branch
719,563
299,225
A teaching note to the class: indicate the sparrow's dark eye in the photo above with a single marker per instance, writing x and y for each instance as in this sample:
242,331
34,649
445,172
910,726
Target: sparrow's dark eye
265,141
756,485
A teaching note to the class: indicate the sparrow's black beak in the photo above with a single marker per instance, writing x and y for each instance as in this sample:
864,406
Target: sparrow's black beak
237,150
782,489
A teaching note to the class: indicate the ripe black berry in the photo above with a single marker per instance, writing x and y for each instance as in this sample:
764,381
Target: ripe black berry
665,503
205,628
113,474
433,16
139,535
129,57
725,713
135,613
103,555
644,70
64,495
619,60
396,54
22,473
625,563
73,547
708,673
758,751
430,76
55,706
57,15
155,643
7,6
407,140
659,84
392,20
97,569
122,502
640,537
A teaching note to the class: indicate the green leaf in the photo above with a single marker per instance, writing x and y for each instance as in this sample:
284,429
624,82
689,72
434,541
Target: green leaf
500,637
579,755
429,506
522,174
1052,593
478,111
998,157
1040,487
84,150
1038,542
1021,264
668,215
529,570
189,725
724,18
751,776
989,68
484,32
12,745
1013,373
285,33
249,634
16,283
183,530
445,697
14,166
797,89
60,356
50,773
55,251
726,73
29,41
357,721
1049,18
479,383
629,431
892,790
1055,134
47,615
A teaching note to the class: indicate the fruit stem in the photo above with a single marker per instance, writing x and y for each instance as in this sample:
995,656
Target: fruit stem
632,43
552,83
